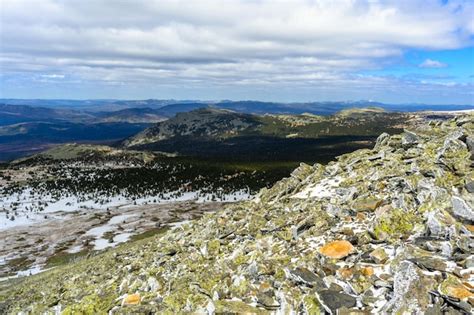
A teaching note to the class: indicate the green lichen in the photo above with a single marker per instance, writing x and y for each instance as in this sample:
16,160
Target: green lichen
395,225
312,305
92,304
213,247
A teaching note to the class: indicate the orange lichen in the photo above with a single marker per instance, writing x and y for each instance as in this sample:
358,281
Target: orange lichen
131,299
337,249
367,271
459,292
345,273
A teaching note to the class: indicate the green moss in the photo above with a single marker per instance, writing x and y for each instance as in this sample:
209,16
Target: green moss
179,299
448,180
149,233
92,304
241,259
62,258
213,247
396,224
312,305
280,274
236,307
19,263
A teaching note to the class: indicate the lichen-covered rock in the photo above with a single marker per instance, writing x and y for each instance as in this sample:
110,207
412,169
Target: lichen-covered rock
379,231
382,140
131,299
409,139
332,301
454,288
366,204
462,209
411,290
379,255
440,224
337,249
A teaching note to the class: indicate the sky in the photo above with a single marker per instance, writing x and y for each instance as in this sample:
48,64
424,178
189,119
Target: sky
405,51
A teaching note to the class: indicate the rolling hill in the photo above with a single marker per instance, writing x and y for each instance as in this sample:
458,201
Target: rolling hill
220,133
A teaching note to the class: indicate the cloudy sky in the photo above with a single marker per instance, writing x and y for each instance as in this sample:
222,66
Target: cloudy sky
390,51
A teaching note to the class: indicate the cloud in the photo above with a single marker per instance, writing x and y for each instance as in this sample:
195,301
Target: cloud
204,43
53,76
429,63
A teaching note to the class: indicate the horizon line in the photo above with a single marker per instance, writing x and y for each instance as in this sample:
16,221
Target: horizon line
226,100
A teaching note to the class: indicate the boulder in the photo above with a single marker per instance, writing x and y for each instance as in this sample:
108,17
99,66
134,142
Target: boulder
454,288
337,249
381,141
470,186
409,139
306,276
410,290
131,299
470,145
378,255
462,209
440,224
332,301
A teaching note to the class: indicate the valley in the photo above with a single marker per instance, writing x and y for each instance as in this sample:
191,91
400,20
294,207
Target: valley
74,200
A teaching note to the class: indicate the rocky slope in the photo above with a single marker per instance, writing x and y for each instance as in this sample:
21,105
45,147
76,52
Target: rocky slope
387,230
226,135
204,122
215,123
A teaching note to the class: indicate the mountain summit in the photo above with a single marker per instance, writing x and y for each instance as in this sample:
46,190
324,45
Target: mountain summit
382,230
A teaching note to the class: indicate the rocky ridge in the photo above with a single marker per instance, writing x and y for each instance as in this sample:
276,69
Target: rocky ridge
387,230
204,122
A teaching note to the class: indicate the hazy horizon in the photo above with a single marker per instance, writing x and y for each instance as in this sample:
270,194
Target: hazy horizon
393,52
229,100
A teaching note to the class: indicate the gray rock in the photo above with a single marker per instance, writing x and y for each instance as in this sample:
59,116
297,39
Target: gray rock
334,300
410,290
409,139
470,187
458,134
451,144
267,300
462,209
440,224
469,263
306,276
382,140
470,144
435,263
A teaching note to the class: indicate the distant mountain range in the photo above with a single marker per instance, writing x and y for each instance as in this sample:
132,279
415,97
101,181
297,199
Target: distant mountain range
169,108
28,126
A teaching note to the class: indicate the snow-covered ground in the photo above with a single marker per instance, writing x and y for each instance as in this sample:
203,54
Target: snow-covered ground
25,273
27,208
72,224
87,230
323,189
98,232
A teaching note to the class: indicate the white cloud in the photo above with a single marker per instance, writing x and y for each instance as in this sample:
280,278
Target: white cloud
232,42
429,63
53,76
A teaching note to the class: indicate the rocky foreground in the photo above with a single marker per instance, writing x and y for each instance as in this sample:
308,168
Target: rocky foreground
387,230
